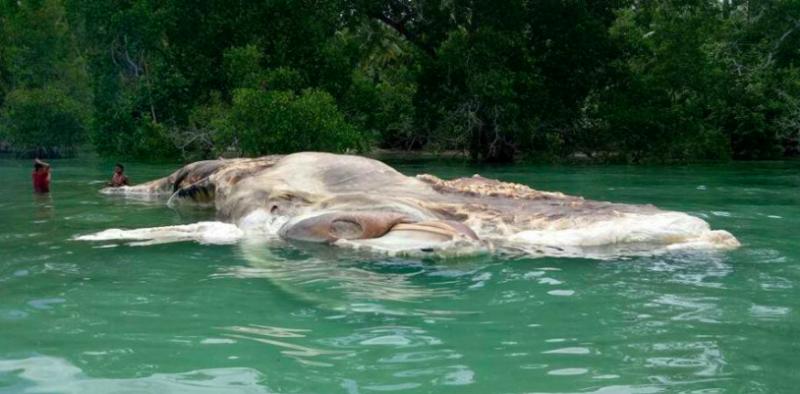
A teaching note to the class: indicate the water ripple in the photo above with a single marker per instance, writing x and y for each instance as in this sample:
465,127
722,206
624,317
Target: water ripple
51,374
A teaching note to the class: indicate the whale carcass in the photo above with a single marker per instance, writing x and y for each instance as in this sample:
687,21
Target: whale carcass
360,203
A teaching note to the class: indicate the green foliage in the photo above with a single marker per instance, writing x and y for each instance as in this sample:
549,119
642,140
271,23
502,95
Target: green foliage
510,80
760,56
243,65
665,89
41,121
36,35
618,80
696,80
385,109
44,92
374,76
264,122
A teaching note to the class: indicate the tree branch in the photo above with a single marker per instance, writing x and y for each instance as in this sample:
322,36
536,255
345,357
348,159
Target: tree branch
400,28
783,37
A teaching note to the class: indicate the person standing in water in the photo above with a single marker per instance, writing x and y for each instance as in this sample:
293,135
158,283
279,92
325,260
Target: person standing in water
119,178
41,176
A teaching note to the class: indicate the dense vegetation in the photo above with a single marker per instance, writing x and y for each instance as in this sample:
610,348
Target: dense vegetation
617,80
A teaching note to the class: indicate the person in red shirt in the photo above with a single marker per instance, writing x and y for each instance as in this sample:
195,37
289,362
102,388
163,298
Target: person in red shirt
41,176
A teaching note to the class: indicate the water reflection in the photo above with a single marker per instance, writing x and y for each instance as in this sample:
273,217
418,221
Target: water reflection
303,354
44,208
644,300
43,374
613,390
346,285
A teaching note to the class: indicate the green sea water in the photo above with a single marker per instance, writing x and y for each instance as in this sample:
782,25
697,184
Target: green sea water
79,317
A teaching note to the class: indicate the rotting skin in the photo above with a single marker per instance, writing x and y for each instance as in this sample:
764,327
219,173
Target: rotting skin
354,201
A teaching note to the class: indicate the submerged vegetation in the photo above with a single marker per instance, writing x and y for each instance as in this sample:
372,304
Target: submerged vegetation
619,80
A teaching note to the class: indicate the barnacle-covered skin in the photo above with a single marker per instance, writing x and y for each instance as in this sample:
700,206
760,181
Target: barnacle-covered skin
358,202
